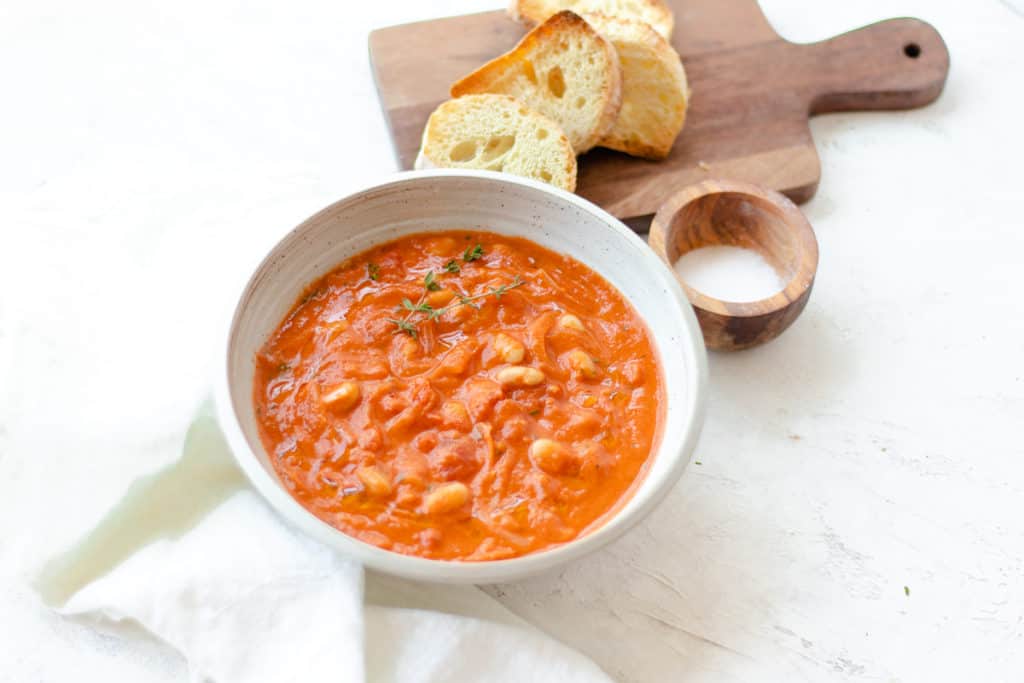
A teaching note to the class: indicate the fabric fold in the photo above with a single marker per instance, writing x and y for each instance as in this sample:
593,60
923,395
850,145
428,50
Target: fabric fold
196,558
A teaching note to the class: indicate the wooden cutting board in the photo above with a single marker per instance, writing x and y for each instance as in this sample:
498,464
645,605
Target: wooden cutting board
752,94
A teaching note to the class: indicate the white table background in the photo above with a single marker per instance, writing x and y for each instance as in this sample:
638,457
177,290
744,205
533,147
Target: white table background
876,445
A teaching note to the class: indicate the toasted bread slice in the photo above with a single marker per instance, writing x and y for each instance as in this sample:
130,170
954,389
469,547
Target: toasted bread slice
654,12
654,90
498,133
563,69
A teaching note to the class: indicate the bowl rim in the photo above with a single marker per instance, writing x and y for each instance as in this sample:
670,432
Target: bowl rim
489,571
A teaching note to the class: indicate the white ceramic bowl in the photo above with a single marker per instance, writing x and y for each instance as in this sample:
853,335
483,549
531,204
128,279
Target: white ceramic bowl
445,200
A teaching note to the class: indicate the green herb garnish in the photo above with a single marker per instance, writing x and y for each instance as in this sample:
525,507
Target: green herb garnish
373,271
406,325
452,266
430,283
418,307
496,292
473,254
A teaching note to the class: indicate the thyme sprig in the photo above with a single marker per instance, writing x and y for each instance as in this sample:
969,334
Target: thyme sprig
408,326
496,292
405,326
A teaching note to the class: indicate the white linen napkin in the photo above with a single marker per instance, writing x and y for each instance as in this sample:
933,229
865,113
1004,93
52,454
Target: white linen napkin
195,557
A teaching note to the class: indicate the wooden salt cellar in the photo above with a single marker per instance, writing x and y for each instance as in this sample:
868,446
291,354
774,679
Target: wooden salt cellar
726,212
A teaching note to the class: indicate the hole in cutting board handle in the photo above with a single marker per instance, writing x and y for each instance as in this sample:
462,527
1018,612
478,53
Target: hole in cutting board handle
912,50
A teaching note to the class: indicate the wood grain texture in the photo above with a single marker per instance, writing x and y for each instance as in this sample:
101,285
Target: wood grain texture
732,213
752,94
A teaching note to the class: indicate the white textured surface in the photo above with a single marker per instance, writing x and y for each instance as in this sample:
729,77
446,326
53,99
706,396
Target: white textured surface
875,445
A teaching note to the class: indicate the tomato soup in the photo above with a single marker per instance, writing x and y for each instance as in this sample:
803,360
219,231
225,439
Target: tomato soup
460,396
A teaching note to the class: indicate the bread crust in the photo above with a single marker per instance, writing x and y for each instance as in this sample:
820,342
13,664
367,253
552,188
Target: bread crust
654,12
635,131
502,70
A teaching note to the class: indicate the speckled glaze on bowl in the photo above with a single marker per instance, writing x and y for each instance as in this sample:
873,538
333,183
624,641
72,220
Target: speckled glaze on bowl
473,200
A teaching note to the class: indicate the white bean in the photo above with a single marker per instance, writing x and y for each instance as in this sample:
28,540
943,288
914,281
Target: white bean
509,349
342,398
376,483
446,498
581,362
570,322
520,376
553,457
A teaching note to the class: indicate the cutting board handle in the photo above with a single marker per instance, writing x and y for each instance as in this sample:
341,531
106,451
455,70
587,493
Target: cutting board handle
894,64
